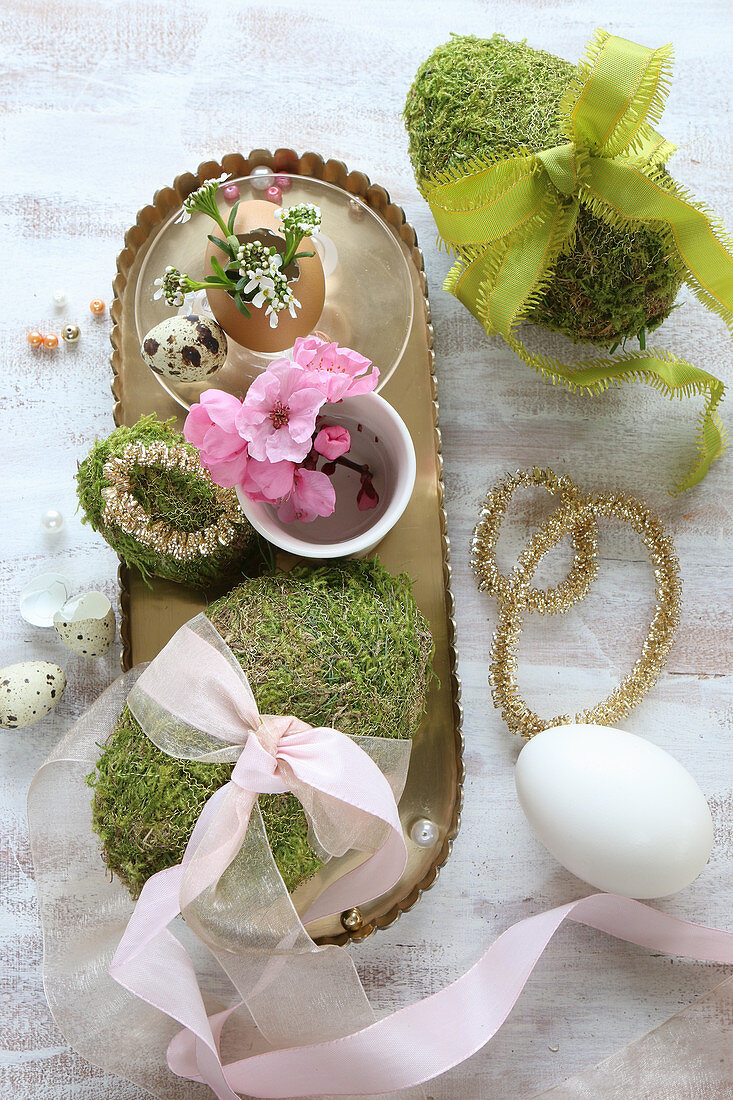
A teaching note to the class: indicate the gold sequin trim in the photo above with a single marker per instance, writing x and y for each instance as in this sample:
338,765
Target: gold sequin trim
577,516
122,509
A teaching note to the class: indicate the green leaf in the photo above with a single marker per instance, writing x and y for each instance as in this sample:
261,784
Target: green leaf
222,244
219,270
239,303
233,245
232,216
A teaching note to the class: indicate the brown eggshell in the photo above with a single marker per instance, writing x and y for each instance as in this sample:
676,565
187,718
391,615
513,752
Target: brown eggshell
310,289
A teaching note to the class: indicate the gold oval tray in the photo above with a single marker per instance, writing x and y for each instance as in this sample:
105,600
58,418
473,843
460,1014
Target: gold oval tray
418,544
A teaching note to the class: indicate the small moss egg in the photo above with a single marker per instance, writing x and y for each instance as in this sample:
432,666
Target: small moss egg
185,348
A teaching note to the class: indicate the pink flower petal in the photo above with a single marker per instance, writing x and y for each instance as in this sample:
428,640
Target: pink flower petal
313,495
196,425
280,446
270,481
359,386
305,349
210,427
257,439
304,406
222,408
228,472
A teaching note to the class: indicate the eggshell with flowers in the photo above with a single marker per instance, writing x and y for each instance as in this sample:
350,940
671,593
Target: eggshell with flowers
309,288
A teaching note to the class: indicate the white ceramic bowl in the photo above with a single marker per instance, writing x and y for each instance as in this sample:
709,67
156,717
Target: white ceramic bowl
380,437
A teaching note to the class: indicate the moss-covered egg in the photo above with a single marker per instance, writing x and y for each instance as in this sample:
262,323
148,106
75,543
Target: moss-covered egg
28,691
187,348
86,624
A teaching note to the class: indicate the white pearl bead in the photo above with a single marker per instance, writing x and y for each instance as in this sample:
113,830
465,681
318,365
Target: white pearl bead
424,833
59,298
261,178
51,520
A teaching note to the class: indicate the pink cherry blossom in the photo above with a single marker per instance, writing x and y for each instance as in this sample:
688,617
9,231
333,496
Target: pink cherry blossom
332,442
338,370
210,427
278,414
313,495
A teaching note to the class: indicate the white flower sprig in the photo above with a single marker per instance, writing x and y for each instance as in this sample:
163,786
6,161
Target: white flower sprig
173,286
298,221
261,269
203,201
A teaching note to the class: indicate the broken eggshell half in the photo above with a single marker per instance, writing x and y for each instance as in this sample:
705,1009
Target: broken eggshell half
86,624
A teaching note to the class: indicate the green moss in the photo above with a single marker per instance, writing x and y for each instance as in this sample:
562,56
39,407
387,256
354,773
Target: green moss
491,96
186,502
342,645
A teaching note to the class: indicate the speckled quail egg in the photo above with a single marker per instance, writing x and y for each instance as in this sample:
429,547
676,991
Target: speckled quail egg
28,691
86,624
185,348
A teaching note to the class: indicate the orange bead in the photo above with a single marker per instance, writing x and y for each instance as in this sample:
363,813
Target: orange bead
51,341
97,305
34,339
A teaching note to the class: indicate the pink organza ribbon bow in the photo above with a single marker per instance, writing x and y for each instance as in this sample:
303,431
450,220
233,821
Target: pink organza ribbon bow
195,703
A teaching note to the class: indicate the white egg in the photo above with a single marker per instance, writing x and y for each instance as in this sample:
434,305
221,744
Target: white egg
86,624
28,691
615,810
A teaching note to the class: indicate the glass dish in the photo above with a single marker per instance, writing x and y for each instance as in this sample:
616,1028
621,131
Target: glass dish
369,300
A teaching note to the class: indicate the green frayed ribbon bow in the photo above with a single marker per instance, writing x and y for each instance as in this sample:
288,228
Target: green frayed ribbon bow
509,220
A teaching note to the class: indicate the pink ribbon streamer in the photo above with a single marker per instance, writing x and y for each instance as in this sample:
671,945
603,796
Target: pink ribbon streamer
432,1036
348,801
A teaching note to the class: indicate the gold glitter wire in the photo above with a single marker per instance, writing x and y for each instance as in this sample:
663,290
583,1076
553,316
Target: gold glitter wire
578,512
583,537
122,510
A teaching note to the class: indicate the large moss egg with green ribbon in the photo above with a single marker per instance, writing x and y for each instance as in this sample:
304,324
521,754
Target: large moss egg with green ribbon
342,646
489,98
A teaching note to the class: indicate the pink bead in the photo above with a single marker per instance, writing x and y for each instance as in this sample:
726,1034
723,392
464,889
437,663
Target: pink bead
284,182
273,194
231,193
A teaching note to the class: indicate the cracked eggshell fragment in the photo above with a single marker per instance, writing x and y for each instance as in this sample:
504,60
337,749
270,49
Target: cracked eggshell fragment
28,691
86,624
42,597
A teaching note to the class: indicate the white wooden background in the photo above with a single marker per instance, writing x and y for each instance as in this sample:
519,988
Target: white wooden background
102,103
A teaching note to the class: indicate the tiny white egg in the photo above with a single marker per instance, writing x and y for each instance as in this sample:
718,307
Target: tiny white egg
186,348
28,691
86,624
614,809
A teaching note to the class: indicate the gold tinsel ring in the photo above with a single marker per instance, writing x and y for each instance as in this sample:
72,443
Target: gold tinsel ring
583,536
122,509
582,510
